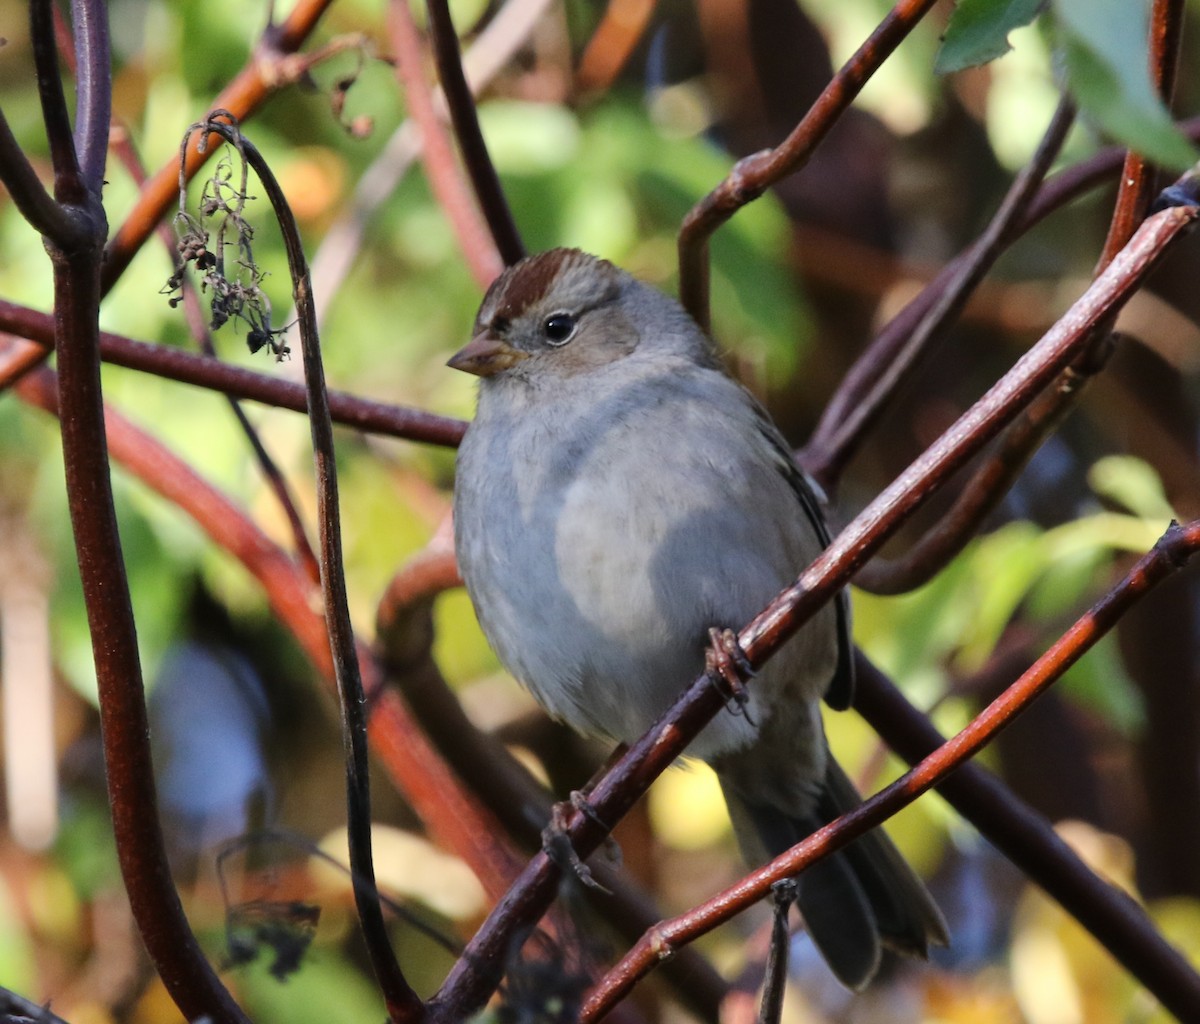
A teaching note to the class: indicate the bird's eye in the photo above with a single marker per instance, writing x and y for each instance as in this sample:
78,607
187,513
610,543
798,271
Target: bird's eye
558,328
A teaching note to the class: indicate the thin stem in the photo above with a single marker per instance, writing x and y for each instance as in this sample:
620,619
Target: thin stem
202,335
187,975
470,136
753,175
1138,178
441,168
402,1002
93,89
35,204
861,399
201,371
69,185
1167,556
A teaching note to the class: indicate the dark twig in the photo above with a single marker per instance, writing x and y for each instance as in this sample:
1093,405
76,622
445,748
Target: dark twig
990,482
200,371
1167,556
461,105
475,975
441,168
69,184
28,193
1032,844
93,89
187,975
775,980
1062,188
402,1002
15,1009
861,399
753,175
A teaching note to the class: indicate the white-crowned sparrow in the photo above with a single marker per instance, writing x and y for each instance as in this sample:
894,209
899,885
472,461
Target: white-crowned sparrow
618,495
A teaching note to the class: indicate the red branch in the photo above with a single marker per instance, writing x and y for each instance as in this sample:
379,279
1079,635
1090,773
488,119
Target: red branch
1167,556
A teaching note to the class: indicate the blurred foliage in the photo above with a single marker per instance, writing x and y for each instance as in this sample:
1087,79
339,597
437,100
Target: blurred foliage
613,174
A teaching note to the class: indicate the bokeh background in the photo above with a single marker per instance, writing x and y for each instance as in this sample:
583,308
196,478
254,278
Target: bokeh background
606,125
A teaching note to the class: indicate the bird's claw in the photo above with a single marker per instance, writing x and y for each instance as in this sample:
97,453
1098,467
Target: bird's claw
556,841
726,664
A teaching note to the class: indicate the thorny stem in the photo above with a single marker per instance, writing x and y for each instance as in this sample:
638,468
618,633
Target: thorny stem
753,175
475,974
402,1002
1167,556
465,118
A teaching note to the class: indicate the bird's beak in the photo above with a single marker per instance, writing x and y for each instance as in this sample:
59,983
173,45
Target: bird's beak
485,355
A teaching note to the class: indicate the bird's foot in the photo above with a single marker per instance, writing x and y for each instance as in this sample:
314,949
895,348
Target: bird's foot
556,840
726,664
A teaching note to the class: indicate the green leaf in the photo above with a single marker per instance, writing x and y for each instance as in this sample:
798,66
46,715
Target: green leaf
1105,46
978,32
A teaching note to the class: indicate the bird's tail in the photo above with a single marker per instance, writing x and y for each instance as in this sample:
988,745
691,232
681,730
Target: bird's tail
857,900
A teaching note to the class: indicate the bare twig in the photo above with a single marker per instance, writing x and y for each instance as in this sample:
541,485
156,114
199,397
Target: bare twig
263,73
753,175
127,154
69,185
486,56
441,168
200,371
860,400
93,89
470,137
1169,555
475,974
402,1002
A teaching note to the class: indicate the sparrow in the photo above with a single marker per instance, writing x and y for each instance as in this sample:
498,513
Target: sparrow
617,497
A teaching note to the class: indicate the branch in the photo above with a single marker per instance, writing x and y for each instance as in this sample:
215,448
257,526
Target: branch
470,137
402,1002
69,185
1168,555
878,375
475,974
263,74
753,175
93,89
181,964
441,168
201,371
